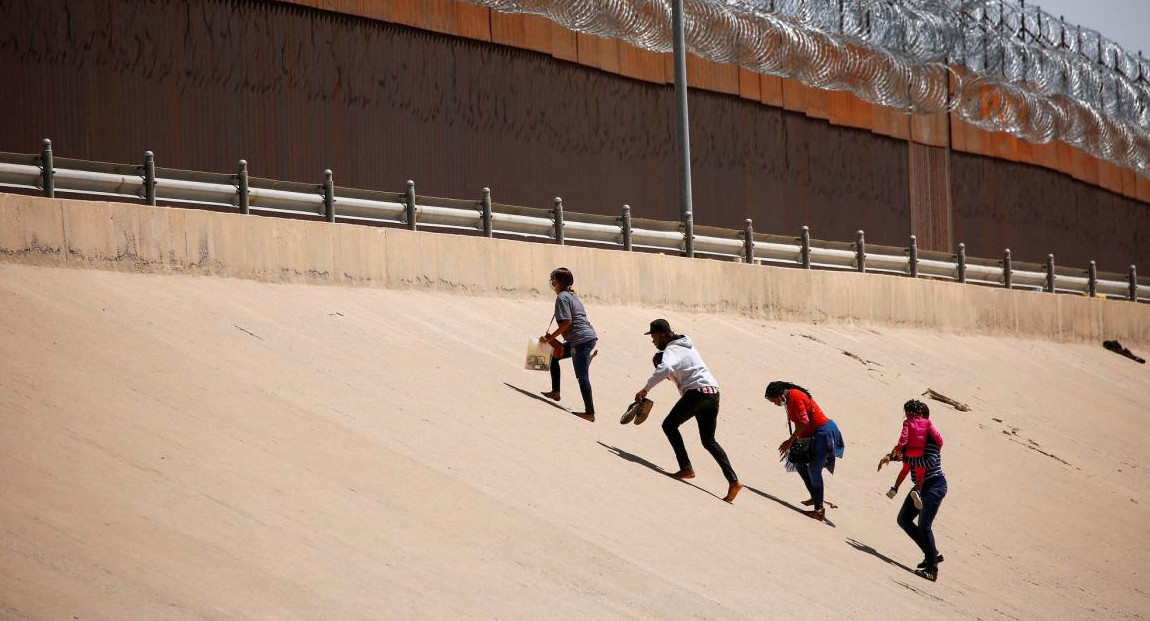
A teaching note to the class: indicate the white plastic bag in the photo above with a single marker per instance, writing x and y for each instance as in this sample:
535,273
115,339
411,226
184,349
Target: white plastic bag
538,355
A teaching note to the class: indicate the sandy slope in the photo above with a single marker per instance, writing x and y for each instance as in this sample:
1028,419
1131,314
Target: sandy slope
180,447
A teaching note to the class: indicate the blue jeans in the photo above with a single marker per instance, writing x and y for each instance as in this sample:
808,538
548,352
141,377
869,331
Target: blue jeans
581,357
812,473
933,491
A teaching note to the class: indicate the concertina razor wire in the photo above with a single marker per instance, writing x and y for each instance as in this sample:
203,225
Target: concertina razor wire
1000,66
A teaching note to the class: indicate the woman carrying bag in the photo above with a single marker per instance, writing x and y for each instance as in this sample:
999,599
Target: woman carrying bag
813,445
579,340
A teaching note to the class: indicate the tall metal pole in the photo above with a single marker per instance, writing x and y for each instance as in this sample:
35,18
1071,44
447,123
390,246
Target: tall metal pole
680,54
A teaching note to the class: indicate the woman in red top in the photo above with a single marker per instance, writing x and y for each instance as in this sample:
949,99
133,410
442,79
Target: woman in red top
809,422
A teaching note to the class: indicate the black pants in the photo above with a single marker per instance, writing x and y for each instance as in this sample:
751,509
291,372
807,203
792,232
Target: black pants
705,409
933,491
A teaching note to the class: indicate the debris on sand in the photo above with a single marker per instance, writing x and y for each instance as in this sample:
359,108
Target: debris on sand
860,358
937,396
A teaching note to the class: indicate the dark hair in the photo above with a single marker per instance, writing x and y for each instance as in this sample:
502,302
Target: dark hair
564,277
776,389
916,407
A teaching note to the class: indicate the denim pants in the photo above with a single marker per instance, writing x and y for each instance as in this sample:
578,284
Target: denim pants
933,491
581,357
705,409
812,473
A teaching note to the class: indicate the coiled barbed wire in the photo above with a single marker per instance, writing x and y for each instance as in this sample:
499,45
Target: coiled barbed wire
1000,66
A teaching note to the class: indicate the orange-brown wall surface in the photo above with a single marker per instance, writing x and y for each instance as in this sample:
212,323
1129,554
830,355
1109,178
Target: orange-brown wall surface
536,33
458,97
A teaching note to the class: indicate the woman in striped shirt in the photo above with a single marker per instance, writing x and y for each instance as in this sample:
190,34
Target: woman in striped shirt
932,494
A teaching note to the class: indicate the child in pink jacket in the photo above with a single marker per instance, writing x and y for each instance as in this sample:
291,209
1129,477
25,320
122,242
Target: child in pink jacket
911,444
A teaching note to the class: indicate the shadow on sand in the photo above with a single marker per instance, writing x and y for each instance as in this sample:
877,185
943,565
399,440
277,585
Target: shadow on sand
862,547
788,505
538,397
635,459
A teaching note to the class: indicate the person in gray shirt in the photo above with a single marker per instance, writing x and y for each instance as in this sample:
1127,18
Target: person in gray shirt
579,340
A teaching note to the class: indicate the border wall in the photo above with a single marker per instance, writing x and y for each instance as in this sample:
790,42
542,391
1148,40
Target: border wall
519,105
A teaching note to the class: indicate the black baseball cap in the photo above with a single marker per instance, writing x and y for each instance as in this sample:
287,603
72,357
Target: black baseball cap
660,326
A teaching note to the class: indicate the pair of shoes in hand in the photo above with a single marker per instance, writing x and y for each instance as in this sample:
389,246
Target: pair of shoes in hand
637,412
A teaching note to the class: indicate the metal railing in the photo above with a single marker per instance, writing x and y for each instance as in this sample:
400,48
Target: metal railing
245,194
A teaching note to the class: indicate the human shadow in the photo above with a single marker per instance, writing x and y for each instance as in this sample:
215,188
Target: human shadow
770,497
786,504
538,397
635,459
862,547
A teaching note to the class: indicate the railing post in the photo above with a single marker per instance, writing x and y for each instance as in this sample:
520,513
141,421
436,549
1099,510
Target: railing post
328,197
627,228
1133,283
1050,273
243,191
689,234
409,205
962,263
805,247
1092,280
913,256
558,213
48,170
488,227
860,252
1007,270
150,178
749,242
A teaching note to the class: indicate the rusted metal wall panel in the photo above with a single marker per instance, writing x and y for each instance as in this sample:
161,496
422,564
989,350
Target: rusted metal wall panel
295,90
930,205
1034,212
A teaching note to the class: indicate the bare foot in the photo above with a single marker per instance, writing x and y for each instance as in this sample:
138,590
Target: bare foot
811,501
686,473
553,395
587,416
733,491
592,358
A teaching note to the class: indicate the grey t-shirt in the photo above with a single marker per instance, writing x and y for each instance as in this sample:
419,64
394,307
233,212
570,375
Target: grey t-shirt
569,308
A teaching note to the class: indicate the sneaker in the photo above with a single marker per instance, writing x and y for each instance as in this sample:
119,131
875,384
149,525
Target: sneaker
642,415
930,573
892,492
924,562
914,495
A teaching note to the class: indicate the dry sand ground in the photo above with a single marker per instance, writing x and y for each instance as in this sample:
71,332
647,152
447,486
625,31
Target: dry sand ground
188,447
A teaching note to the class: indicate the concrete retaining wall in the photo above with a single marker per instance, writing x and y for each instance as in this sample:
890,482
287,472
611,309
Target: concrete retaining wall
160,239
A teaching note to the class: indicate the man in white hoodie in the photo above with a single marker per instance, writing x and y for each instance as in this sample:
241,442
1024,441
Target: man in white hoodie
698,397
